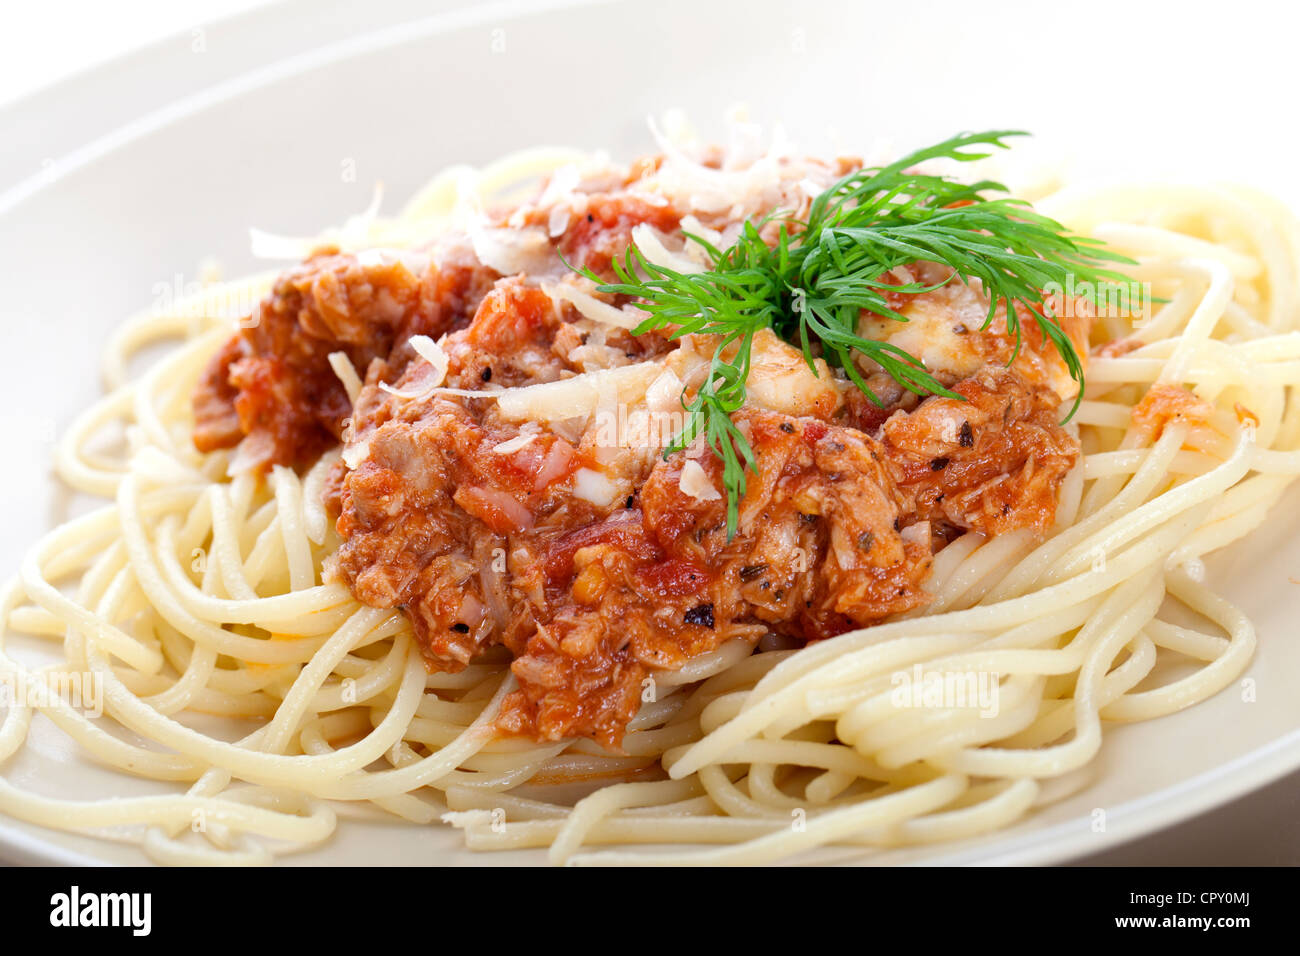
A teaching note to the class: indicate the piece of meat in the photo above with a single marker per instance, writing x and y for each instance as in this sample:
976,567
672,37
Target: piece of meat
272,388
602,228
423,513
508,342
821,545
1163,405
991,463
216,420
945,330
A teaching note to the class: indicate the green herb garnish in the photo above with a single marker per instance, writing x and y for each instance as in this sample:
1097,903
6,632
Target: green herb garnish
811,285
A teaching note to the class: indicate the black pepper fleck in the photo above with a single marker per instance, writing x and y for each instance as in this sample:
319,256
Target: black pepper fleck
939,464
701,614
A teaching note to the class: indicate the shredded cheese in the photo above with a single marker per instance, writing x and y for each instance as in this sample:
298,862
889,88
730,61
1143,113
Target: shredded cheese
432,353
354,453
652,247
695,483
577,397
347,374
592,308
514,444
592,486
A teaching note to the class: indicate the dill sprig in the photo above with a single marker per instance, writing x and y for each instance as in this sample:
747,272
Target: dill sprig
811,285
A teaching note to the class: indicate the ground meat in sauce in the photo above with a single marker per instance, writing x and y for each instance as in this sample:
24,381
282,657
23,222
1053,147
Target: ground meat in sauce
1164,405
482,547
602,229
272,388
991,463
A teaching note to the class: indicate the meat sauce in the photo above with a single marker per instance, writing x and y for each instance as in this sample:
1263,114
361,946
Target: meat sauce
474,526
272,391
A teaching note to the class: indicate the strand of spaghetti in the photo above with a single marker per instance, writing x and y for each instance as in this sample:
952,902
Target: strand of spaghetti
169,810
828,701
315,519
174,602
978,567
819,830
263,611
1144,481
168,852
869,681
1218,674
293,709
991,616
1238,512
120,644
590,810
1151,240
225,558
70,463
370,684
186,361
1157,511
871,719
434,767
315,774
897,741
1142,598
1143,371
297,547
183,692
1009,801
1107,463
1057,719
274,737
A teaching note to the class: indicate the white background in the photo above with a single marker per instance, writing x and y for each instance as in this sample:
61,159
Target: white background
44,42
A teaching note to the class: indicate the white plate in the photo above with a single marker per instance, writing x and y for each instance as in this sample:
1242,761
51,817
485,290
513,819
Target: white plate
120,181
